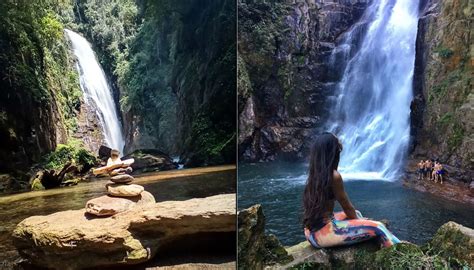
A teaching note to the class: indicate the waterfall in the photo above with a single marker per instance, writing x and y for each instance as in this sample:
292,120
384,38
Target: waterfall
96,90
371,107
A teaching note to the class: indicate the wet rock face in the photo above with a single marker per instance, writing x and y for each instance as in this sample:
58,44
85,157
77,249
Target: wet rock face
442,114
89,129
73,240
197,54
28,128
283,73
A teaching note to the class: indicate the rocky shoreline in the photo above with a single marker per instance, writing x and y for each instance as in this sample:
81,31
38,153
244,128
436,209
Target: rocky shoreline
455,187
450,248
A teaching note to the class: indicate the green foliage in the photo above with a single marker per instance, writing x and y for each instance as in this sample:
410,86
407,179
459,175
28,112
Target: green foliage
441,89
51,29
34,52
72,152
455,140
446,119
37,185
285,76
444,52
209,141
111,26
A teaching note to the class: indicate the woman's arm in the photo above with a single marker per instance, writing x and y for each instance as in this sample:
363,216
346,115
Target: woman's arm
341,196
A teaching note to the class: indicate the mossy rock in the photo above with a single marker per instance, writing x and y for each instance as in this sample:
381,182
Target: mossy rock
275,252
453,241
400,256
36,184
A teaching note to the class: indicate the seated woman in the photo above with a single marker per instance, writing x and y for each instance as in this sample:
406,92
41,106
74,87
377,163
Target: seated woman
324,186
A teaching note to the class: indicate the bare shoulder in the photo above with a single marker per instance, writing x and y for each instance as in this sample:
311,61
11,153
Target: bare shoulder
336,176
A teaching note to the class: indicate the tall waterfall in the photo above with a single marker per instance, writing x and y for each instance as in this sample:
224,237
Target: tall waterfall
371,107
96,90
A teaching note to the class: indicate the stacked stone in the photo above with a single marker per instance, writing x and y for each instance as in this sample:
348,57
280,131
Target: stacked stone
122,186
121,196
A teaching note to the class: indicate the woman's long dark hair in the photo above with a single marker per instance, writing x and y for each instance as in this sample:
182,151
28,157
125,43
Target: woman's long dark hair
323,161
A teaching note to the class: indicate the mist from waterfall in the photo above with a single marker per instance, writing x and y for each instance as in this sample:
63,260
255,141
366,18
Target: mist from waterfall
371,107
96,90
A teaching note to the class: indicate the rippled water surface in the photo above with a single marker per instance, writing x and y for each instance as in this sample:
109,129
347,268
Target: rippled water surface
183,185
278,186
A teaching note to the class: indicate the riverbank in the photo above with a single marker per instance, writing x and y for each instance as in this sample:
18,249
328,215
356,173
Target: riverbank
139,179
451,188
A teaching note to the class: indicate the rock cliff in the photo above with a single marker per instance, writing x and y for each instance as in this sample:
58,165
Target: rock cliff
283,72
442,116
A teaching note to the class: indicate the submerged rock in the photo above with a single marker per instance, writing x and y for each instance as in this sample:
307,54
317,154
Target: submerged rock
107,205
124,190
73,240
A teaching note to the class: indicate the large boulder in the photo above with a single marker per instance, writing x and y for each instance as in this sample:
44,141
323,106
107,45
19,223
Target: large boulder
148,160
453,240
73,240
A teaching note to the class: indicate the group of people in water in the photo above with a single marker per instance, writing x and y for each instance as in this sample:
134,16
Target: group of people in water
431,170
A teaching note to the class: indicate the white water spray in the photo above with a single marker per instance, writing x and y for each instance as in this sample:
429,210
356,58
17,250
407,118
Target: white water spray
96,90
372,106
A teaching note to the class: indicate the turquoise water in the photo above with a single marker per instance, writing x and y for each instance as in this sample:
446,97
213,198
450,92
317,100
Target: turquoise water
278,186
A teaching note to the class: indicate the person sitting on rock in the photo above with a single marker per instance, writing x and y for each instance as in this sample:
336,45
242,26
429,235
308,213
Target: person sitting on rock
421,169
323,227
114,159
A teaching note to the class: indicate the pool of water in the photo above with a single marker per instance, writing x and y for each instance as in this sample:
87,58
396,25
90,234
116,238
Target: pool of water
182,185
414,216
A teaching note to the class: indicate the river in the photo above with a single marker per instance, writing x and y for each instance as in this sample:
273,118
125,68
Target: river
414,216
170,185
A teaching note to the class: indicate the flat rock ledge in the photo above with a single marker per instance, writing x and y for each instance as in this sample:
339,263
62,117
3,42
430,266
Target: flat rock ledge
452,247
75,240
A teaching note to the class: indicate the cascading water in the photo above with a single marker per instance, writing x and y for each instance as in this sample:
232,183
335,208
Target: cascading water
371,110
96,90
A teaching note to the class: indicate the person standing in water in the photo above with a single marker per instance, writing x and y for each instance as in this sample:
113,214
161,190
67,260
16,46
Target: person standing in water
324,186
